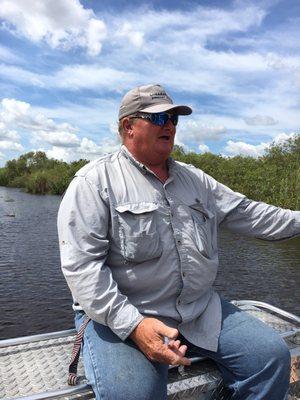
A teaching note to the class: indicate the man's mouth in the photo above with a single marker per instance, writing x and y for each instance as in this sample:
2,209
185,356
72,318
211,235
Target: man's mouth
165,137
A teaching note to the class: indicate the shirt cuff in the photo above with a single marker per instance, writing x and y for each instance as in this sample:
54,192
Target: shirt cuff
125,321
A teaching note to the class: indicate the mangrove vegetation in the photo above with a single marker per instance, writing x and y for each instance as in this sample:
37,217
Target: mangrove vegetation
273,178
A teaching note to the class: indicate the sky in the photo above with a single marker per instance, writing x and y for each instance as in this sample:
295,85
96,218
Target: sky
66,64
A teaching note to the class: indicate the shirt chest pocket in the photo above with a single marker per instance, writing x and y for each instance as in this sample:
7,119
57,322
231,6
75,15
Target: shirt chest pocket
138,233
202,220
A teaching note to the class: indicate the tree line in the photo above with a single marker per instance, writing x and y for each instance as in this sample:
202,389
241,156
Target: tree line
35,173
273,178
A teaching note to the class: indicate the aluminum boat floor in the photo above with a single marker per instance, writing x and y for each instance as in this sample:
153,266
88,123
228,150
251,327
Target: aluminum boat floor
35,367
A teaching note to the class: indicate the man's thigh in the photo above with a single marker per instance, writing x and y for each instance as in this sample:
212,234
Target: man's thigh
246,347
118,370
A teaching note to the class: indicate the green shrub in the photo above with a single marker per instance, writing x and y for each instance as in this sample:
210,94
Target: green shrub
18,181
38,183
4,179
273,178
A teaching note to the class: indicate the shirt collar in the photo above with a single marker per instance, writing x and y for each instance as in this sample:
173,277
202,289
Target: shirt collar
130,157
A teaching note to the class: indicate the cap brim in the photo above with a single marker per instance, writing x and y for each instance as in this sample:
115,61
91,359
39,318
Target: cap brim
180,110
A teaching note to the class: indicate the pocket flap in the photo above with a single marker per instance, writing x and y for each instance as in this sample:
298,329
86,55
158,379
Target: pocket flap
200,207
137,208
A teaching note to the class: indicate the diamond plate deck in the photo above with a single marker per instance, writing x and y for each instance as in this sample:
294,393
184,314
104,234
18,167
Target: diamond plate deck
38,369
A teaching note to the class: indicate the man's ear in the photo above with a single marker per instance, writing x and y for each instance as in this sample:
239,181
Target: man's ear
127,126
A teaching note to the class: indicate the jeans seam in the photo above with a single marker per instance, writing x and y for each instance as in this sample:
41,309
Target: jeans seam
95,369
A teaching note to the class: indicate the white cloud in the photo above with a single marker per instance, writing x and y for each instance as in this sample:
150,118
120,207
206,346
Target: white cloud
63,137
61,153
7,134
114,128
13,110
178,142
128,32
87,146
19,114
21,76
8,145
95,34
197,131
245,149
264,120
297,78
186,23
203,148
87,149
283,137
74,78
59,138
63,24
99,114
92,76
8,56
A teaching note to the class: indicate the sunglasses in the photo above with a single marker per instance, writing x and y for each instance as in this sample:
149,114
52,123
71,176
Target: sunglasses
159,119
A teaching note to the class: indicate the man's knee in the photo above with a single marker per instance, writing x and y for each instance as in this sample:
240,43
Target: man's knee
271,354
280,357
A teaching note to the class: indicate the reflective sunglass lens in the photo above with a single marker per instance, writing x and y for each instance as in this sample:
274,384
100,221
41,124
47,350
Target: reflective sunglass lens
156,119
162,118
174,119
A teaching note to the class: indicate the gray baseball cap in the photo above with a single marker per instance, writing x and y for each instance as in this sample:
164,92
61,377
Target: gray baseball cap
150,99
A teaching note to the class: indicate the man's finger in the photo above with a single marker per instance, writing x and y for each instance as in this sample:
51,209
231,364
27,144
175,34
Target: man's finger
182,349
178,359
180,352
174,344
167,331
172,357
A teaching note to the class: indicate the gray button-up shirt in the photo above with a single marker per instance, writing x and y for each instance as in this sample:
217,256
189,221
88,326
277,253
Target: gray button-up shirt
132,246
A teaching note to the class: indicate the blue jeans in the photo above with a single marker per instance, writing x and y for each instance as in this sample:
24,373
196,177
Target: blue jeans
253,359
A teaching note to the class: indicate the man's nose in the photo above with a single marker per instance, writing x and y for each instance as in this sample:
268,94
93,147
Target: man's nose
169,125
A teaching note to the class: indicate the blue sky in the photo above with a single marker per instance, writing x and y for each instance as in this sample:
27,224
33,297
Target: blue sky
65,64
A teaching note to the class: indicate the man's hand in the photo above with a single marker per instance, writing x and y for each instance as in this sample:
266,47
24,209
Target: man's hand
150,335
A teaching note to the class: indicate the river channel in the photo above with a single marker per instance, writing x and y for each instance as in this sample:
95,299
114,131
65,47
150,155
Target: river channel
34,297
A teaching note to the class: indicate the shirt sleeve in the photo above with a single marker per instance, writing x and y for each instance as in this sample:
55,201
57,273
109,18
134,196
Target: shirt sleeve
263,221
83,220
252,218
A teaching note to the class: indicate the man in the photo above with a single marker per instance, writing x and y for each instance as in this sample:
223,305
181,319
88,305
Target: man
138,241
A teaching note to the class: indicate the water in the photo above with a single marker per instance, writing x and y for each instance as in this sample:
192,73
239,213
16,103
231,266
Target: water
34,297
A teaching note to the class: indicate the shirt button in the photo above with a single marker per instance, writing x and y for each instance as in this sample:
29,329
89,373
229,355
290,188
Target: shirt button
183,274
179,302
178,241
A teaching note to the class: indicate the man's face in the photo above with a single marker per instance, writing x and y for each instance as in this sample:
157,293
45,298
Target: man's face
150,143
